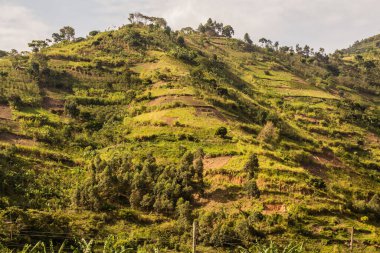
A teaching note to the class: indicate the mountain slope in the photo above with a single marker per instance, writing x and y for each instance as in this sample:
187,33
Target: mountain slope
124,133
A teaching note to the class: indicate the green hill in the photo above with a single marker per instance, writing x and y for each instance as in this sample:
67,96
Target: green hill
139,131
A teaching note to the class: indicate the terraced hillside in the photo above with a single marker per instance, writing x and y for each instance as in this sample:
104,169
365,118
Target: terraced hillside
136,132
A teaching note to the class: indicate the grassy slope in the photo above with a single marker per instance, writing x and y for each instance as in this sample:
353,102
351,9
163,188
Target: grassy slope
170,115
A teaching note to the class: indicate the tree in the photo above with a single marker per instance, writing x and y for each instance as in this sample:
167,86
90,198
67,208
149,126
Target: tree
38,65
3,53
221,131
251,166
263,41
252,189
56,37
247,39
37,45
67,33
201,28
374,204
181,41
276,45
94,33
228,31
198,168
183,212
269,133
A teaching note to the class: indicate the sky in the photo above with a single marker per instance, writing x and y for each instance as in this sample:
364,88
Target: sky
331,24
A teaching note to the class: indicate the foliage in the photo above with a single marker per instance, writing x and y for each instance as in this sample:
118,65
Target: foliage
221,131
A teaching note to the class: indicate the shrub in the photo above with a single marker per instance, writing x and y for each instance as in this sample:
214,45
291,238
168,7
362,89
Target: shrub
317,183
221,131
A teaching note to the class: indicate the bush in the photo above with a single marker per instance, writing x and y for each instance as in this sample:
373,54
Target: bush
317,183
221,131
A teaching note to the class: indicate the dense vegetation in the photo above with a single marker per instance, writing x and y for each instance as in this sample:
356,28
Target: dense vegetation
138,132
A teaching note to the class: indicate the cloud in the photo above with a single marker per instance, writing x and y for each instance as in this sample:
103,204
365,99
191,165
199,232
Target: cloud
18,25
318,23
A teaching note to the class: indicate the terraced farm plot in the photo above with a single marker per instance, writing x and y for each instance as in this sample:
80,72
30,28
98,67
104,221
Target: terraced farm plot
186,100
5,112
290,92
15,139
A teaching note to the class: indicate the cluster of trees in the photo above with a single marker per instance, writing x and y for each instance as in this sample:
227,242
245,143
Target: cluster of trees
138,18
213,28
145,185
66,33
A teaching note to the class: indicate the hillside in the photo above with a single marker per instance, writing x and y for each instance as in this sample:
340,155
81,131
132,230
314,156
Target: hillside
368,45
139,131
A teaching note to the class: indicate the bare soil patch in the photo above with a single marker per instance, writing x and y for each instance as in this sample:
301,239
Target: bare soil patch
5,112
16,139
274,208
170,120
216,162
373,139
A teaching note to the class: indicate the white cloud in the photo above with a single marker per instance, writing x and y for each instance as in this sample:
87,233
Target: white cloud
18,25
319,23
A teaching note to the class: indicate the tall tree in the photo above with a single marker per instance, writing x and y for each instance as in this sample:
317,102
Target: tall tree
67,33
248,39
228,31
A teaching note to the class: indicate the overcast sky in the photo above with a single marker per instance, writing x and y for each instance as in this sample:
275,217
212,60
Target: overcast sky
332,24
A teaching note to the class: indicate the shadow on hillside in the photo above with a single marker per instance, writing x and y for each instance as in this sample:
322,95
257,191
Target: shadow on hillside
224,195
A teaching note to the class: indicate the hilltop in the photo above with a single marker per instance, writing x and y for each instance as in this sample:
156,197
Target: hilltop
136,132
